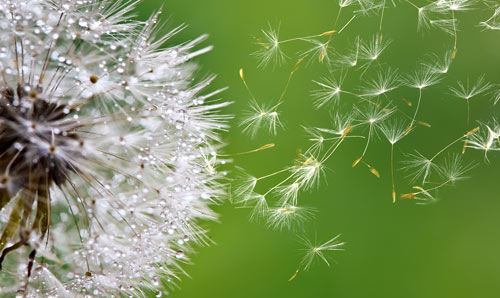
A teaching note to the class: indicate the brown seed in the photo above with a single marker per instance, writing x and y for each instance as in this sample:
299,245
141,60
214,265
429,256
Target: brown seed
356,161
93,79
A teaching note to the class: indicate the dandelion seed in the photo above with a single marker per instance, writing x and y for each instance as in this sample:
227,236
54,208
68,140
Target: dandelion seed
425,14
467,91
493,22
308,172
487,139
260,116
371,50
316,137
420,79
447,26
437,65
372,116
496,96
244,186
394,132
288,193
329,93
346,3
351,58
288,216
315,251
270,51
419,166
318,52
386,81
421,196
454,168
260,207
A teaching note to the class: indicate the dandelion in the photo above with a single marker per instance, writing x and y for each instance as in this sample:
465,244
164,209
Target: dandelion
467,91
104,161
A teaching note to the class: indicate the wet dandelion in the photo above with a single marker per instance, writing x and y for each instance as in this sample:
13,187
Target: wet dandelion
104,171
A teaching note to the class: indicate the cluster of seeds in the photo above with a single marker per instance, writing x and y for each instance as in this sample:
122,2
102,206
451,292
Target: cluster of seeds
370,98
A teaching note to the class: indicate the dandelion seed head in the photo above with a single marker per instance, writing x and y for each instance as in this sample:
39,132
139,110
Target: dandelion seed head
106,160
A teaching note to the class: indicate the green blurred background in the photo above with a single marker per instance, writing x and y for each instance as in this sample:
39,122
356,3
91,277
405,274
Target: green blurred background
450,249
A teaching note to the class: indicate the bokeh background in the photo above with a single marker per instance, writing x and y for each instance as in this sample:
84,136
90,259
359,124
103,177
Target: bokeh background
449,249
